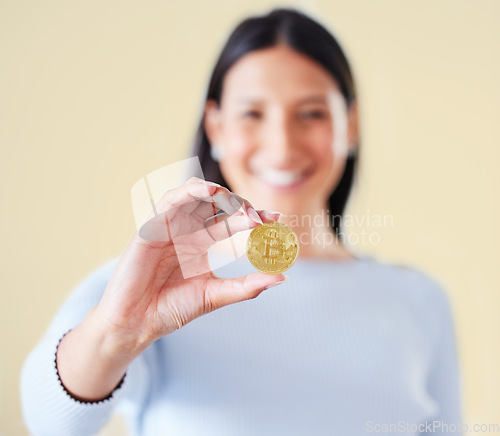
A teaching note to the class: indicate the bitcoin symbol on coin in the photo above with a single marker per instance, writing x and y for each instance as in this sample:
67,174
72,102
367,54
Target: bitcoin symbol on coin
272,247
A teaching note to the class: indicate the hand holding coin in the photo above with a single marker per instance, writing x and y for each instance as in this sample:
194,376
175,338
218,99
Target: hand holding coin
161,284
163,281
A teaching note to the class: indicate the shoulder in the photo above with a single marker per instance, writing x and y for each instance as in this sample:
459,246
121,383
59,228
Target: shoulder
421,287
421,296
85,295
426,293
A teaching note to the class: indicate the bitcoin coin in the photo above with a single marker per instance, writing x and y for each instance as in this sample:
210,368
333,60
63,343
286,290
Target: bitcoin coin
272,247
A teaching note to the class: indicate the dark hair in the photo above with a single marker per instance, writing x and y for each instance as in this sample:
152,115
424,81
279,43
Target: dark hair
304,35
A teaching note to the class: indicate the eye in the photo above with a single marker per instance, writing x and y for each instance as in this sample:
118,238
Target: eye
252,114
313,114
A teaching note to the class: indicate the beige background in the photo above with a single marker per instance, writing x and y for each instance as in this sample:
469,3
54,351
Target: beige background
96,94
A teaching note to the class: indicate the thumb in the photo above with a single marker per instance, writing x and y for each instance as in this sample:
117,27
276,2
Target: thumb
221,292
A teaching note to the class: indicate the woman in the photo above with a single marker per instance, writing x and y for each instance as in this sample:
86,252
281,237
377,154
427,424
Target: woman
348,345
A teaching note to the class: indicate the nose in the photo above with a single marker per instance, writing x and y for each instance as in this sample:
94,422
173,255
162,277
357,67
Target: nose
281,142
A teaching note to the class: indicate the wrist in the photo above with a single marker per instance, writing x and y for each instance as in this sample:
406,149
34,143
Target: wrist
115,343
91,359
92,395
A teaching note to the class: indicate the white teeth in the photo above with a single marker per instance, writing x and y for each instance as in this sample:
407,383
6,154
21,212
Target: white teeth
279,177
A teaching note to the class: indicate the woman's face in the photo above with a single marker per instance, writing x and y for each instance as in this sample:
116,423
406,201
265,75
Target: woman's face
283,130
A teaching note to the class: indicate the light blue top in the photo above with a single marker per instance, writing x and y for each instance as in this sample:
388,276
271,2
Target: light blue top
342,348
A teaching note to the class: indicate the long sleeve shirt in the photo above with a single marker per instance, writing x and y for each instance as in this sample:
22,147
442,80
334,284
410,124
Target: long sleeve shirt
342,348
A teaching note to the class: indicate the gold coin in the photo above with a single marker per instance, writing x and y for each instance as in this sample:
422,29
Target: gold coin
272,247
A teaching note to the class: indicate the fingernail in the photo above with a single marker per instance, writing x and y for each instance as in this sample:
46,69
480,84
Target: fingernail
273,212
254,215
213,184
236,204
277,283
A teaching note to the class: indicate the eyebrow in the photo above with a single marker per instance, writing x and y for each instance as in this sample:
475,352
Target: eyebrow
314,99
309,99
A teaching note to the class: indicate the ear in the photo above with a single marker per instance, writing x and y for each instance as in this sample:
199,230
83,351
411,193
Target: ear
353,125
212,121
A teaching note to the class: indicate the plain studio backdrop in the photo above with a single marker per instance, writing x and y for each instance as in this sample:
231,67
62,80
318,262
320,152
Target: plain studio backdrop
94,95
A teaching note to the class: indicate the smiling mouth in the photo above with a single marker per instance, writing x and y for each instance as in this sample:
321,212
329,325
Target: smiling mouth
282,179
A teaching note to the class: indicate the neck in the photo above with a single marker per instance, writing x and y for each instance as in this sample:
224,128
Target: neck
316,235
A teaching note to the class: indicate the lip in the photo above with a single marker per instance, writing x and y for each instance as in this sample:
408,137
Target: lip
291,187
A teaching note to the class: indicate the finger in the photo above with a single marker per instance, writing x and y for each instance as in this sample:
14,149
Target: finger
184,196
180,229
221,292
223,226
249,209
195,190
269,216
198,199
204,210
